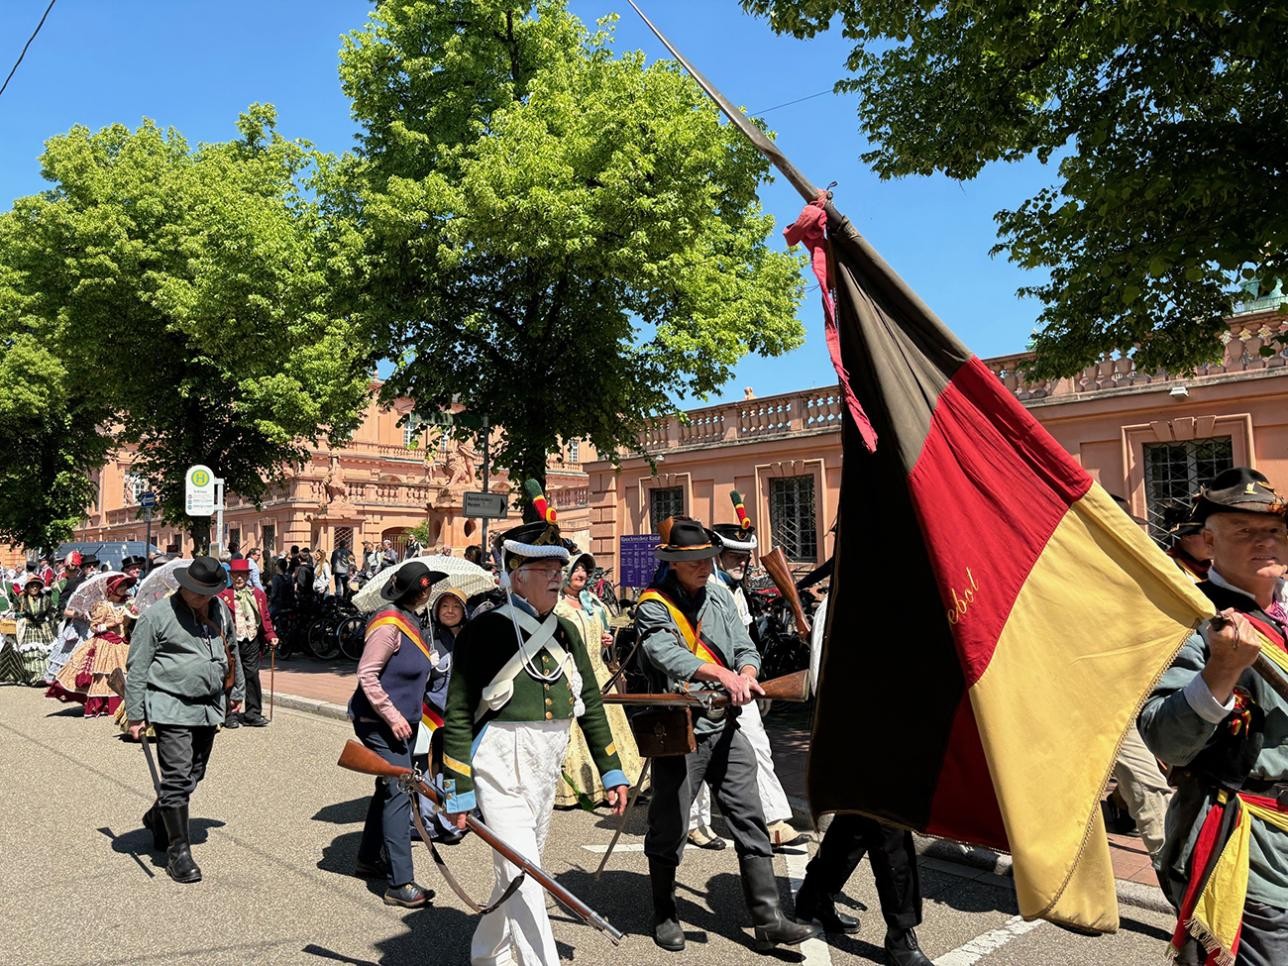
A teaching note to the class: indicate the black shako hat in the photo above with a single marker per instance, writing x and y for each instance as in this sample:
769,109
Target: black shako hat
203,576
532,541
732,536
411,576
1238,490
684,538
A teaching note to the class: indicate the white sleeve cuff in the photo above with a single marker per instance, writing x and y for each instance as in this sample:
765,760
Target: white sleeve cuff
1203,703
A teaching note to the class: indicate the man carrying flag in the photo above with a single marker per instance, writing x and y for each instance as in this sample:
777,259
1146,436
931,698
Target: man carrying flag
1225,733
689,635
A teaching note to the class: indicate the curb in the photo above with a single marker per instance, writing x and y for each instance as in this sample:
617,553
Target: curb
1147,897
312,706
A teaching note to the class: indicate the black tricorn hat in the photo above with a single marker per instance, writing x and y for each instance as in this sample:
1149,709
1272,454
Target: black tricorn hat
203,576
412,576
684,538
1238,490
732,536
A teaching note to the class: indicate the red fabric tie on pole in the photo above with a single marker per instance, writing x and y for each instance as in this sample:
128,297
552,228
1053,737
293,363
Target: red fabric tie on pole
810,230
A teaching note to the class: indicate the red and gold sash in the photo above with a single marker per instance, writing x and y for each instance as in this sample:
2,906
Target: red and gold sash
405,627
692,635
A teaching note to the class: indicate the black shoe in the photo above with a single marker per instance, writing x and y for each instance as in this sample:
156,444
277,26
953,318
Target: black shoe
814,906
179,865
444,837
409,896
760,889
901,949
666,924
152,822
232,721
254,721
363,869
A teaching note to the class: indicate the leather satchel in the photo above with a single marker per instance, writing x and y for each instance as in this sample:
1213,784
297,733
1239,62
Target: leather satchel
665,732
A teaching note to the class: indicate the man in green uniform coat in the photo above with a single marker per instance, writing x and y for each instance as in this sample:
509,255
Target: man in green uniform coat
521,674
175,676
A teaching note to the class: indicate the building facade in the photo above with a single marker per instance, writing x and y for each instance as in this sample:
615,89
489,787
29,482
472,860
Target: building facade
385,481
1146,437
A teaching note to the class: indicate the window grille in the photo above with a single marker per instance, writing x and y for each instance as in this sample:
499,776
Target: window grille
792,517
663,502
1176,471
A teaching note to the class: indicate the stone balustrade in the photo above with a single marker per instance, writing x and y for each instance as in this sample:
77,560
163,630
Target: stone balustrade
820,409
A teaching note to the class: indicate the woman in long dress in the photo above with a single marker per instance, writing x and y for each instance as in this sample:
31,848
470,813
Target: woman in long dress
84,679
26,651
579,784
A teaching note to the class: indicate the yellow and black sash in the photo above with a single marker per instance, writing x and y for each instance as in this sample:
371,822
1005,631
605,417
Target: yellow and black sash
692,635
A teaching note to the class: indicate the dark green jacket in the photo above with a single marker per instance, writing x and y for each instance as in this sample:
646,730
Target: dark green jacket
482,648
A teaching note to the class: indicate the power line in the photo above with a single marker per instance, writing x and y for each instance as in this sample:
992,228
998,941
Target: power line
26,45
807,97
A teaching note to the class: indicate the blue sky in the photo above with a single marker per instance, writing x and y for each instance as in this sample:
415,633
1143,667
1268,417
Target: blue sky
195,65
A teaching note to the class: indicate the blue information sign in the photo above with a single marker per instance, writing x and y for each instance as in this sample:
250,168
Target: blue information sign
147,500
635,560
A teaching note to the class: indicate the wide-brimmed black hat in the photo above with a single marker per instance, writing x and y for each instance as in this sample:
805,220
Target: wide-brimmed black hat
412,576
1238,490
203,576
129,562
1177,519
734,537
538,540
685,539
89,560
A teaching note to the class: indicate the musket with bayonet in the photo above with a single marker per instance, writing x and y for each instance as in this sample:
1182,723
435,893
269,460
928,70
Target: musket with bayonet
789,687
358,757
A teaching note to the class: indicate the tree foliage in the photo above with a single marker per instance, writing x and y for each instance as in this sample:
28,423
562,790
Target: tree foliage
1168,123
183,292
545,232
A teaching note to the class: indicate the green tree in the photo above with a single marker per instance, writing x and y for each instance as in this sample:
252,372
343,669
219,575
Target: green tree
544,232
185,290
1168,122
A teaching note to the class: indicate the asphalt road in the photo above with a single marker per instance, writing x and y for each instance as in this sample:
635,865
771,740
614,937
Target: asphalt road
276,826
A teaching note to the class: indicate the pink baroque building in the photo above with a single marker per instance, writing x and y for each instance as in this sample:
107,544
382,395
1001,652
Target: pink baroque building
382,483
1147,437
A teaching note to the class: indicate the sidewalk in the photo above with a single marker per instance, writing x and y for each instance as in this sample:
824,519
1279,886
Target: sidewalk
325,688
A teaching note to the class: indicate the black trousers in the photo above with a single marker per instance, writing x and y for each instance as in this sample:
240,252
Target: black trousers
182,754
894,866
727,763
388,820
254,703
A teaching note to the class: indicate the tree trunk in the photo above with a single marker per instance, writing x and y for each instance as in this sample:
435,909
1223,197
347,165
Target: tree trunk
199,530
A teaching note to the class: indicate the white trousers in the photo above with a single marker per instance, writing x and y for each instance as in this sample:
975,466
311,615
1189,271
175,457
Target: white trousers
516,772
1143,788
772,797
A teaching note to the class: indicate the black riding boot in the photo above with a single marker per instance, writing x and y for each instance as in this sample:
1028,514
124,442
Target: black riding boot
666,925
152,822
761,891
814,905
179,865
901,949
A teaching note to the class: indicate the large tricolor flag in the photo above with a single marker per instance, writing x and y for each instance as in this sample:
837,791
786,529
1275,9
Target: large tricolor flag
995,620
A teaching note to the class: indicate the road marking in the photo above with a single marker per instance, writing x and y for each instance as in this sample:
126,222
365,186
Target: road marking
816,952
990,942
623,847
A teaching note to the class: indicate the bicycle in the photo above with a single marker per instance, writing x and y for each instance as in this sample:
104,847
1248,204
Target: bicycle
601,585
321,638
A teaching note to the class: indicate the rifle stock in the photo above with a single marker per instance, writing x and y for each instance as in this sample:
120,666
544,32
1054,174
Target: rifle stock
789,687
358,757
776,565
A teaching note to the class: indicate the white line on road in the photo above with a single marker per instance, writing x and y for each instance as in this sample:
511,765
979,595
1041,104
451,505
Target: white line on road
990,942
816,951
625,847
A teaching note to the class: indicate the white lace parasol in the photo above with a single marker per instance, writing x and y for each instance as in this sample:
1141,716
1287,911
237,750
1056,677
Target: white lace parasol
159,584
90,592
469,578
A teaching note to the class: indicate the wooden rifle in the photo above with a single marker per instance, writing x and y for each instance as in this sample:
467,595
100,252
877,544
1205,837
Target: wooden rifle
358,757
789,687
776,565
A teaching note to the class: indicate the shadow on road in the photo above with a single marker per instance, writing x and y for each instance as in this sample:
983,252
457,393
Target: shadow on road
344,813
434,936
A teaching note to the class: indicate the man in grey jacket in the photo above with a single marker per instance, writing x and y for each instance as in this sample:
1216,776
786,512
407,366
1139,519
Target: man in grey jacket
175,674
692,637
1224,731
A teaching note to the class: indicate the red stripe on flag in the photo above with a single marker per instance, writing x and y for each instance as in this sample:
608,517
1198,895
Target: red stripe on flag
990,487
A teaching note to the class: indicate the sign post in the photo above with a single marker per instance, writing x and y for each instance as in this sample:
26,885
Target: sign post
148,502
488,506
203,496
635,560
